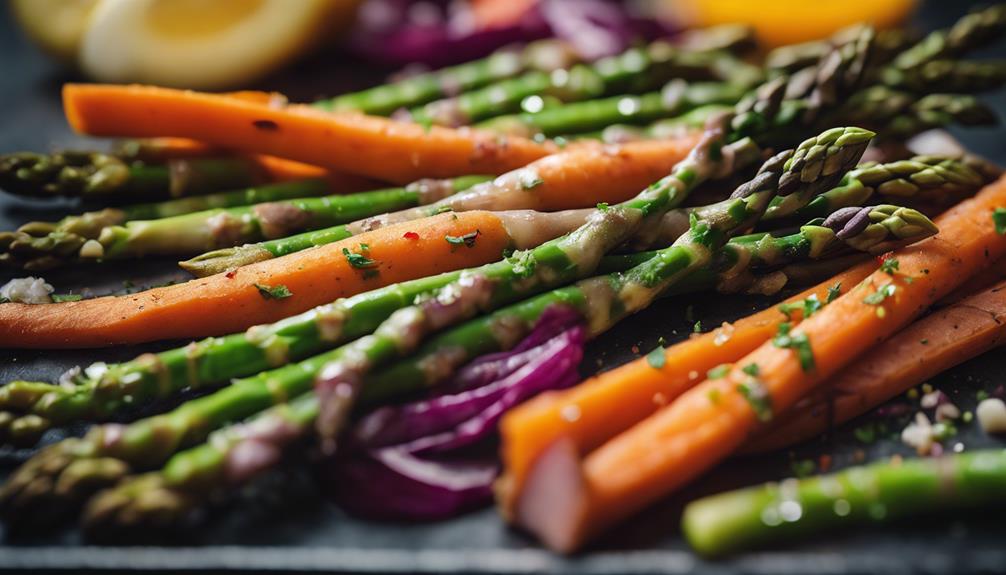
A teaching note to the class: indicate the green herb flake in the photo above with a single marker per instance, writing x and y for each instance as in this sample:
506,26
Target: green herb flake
757,397
924,341
890,266
718,372
999,219
697,328
808,306
714,396
273,292
883,292
60,298
656,358
4,299
866,434
751,369
530,180
358,261
468,239
602,206
799,343
803,468
833,293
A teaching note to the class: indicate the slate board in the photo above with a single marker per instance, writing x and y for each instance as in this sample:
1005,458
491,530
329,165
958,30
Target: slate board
285,523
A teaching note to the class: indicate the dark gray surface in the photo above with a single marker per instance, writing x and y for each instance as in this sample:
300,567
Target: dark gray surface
284,522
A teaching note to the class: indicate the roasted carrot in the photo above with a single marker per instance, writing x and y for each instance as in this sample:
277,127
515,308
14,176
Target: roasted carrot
710,421
282,170
230,302
608,404
931,345
368,146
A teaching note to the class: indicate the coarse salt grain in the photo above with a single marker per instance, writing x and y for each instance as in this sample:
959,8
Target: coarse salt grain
992,415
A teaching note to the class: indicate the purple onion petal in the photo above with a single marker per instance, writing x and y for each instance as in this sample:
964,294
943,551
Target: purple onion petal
390,483
493,366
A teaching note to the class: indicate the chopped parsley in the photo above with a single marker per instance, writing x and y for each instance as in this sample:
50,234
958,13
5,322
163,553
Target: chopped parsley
656,358
758,398
999,219
809,306
890,266
697,328
467,239
714,396
358,261
833,293
876,298
60,298
799,343
751,369
719,371
602,206
273,292
530,180
924,341
803,468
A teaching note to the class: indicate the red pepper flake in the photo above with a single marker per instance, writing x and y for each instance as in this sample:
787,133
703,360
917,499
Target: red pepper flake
824,463
230,274
411,236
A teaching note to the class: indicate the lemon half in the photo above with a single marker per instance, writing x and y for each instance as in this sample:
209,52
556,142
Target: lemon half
57,26
204,44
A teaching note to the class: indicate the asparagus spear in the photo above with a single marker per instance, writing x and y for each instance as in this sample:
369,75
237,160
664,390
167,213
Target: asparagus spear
731,270
922,177
542,56
37,246
677,97
97,176
636,70
183,484
948,75
969,33
874,493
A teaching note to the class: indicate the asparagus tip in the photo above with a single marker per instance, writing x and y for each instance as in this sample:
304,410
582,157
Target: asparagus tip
220,261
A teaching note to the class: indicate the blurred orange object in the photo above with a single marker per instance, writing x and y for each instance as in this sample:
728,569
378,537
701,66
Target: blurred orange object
779,22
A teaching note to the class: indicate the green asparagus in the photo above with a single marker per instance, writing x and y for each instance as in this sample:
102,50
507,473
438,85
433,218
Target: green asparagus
100,237
677,97
634,71
97,176
544,56
875,493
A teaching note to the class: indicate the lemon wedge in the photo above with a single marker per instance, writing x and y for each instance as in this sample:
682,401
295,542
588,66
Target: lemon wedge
57,26
204,44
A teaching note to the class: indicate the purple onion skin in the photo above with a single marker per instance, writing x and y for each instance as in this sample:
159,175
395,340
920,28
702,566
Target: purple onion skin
483,382
397,32
398,468
493,366
395,485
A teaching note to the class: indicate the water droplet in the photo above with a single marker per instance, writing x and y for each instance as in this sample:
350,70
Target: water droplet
790,511
570,413
770,517
628,106
532,104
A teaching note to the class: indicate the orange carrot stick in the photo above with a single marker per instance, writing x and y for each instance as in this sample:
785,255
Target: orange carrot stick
608,404
230,302
369,146
710,421
933,344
